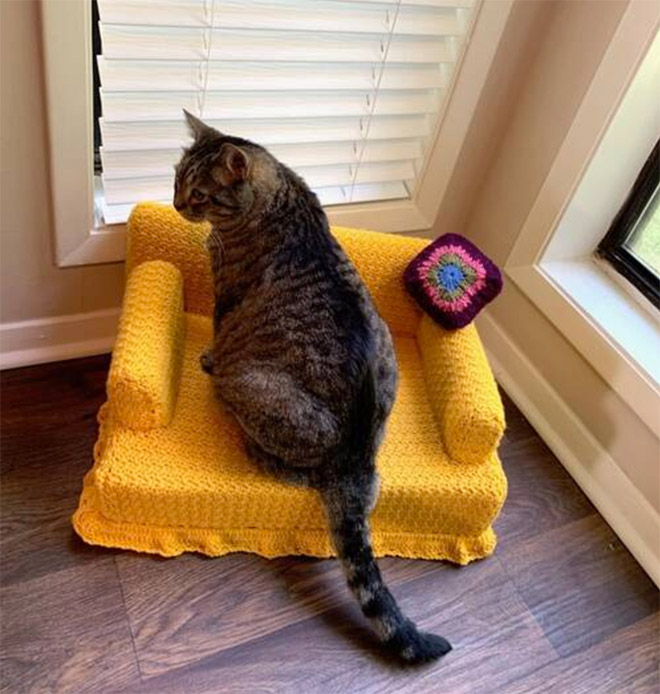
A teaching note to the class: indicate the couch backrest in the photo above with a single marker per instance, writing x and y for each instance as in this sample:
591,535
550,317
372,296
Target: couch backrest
158,232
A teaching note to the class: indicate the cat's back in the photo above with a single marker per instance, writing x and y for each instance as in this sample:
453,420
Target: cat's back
315,290
308,310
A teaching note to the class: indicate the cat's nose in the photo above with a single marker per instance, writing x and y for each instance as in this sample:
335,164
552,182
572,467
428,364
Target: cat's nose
178,205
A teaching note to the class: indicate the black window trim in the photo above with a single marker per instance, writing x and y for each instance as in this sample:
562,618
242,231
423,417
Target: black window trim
96,51
612,248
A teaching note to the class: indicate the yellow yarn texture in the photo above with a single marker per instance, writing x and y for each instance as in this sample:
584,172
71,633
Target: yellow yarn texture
170,473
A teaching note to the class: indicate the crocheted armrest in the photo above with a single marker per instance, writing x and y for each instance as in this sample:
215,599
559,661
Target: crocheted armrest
462,391
159,232
146,361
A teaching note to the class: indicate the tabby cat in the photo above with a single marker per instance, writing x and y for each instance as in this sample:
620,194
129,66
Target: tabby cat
300,355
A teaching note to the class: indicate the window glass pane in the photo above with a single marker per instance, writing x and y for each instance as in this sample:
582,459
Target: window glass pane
644,241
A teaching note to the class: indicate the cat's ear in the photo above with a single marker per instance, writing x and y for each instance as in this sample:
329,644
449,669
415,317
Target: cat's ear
237,162
233,165
198,129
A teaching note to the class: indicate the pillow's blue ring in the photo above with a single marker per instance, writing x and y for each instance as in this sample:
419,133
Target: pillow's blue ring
450,276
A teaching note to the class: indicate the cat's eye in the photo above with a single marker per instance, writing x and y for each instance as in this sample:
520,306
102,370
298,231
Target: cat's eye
197,195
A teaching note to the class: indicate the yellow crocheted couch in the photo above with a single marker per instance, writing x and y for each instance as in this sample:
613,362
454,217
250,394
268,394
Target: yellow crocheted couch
170,474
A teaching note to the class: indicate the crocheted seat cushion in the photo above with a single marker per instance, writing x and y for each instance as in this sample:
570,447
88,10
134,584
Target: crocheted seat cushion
452,280
170,471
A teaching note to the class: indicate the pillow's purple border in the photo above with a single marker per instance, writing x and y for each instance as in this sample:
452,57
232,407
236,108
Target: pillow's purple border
459,319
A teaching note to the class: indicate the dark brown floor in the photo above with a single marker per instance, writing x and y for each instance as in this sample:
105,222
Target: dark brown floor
561,608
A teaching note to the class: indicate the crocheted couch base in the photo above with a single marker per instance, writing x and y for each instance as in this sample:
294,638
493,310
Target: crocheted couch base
190,487
170,471
270,543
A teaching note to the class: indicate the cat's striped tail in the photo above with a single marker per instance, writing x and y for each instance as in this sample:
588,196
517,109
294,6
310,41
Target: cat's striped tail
348,501
350,530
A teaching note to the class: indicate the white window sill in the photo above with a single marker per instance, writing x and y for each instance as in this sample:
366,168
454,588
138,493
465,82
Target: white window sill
618,337
630,328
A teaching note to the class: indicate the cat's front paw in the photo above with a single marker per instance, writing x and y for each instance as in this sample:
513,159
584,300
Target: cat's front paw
206,362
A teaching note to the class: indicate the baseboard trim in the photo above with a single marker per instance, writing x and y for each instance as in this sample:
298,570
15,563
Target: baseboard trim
623,506
55,339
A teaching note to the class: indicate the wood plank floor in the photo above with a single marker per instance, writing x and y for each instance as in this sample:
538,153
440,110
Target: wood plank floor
562,607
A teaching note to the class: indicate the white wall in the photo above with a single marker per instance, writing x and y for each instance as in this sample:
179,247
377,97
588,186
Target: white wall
31,286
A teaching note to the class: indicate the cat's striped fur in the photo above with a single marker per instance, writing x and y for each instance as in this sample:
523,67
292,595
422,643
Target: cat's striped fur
300,355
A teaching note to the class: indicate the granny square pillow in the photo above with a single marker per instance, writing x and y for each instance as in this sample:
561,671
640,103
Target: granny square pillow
452,280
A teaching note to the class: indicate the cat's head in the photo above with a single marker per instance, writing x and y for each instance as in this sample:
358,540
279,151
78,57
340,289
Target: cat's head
221,179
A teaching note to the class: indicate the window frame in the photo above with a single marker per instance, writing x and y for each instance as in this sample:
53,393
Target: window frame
553,261
79,240
613,247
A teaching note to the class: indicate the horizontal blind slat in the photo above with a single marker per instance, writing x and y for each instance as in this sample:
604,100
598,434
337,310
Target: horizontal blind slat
158,106
125,190
337,195
458,4
126,42
333,195
166,135
146,75
146,163
299,15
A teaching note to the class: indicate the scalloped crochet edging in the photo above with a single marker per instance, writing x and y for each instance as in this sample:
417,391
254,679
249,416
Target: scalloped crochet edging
95,529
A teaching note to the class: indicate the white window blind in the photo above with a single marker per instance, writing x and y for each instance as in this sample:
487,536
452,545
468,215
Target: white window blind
345,92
